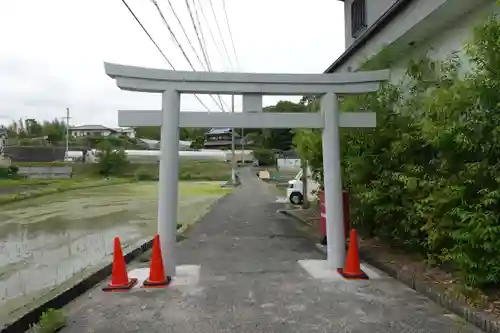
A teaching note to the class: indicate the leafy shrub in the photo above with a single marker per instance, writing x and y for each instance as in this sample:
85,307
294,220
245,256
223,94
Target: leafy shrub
9,172
428,177
51,321
265,156
112,162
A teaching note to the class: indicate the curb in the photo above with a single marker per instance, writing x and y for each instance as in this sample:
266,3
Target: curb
23,323
481,319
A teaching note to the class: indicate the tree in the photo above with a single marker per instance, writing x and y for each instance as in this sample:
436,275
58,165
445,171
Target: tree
198,142
276,138
54,130
112,162
148,132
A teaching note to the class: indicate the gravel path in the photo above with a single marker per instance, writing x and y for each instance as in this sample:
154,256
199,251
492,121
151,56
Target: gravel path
250,281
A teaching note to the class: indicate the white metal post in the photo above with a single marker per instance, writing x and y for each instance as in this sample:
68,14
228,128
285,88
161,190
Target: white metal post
233,151
333,181
168,181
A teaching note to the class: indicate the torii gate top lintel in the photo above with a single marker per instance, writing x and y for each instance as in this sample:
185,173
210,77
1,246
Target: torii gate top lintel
158,80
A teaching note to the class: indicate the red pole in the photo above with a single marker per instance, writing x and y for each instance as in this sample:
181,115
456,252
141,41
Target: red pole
322,208
345,207
347,217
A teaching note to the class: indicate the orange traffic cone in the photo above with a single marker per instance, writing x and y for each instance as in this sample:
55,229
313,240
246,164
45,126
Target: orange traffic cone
119,276
352,268
156,270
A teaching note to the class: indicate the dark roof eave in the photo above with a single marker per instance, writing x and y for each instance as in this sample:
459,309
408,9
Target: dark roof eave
384,20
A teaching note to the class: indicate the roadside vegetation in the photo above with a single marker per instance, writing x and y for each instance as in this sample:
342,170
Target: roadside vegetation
112,168
51,321
427,179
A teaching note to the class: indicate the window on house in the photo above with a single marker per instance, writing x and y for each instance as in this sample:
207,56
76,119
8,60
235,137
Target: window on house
358,17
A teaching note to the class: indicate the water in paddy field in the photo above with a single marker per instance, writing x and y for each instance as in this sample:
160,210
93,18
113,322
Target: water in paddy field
52,240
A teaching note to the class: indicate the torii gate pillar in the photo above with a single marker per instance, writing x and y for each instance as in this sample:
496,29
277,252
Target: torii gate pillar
332,177
169,178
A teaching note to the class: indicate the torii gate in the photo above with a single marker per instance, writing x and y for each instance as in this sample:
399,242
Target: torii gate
252,86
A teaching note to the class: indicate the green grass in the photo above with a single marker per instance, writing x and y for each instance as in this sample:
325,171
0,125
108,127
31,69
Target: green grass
85,176
58,186
128,211
188,169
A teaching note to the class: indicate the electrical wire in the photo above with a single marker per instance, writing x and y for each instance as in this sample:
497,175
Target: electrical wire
230,33
200,27
209,29
186,35
147,33
198,35
201,40
159,49
182,49
220,32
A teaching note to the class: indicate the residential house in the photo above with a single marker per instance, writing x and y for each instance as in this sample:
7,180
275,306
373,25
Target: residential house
128,131
100,130
407,29
220,138
91,130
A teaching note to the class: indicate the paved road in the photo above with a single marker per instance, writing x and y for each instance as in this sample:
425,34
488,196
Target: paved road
250,281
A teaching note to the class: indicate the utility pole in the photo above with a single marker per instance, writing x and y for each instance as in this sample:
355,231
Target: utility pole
305,183
233,169
243,146
66,155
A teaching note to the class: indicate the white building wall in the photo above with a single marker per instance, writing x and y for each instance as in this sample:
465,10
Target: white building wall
374,9
84,133
420,20
288,164
450,41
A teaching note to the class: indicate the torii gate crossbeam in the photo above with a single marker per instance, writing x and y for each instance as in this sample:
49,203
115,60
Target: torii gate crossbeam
252,86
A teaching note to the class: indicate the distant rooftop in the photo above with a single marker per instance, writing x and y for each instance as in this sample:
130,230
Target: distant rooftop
123,130
219,131
91,128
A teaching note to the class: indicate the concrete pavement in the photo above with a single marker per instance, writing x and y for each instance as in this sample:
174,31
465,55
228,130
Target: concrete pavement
244,276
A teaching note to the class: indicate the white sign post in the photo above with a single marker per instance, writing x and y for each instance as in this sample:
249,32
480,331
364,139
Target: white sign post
252,86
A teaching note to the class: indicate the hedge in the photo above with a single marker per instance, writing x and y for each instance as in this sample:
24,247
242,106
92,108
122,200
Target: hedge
428,177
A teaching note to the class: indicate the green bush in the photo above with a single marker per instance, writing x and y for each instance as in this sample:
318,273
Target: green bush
9,172
428,177
51,321
112,162
265,157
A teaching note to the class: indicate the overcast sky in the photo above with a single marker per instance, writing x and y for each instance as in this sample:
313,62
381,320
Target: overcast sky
52,51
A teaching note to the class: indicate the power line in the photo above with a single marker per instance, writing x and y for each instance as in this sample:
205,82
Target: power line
204,41
147,33
186,35
210,30
220,33
198,35
201,40
163,54
172,34
230,33
180,47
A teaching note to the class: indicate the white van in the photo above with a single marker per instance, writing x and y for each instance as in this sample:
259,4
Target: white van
294,191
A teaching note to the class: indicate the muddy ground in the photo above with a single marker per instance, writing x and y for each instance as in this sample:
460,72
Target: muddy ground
51,241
